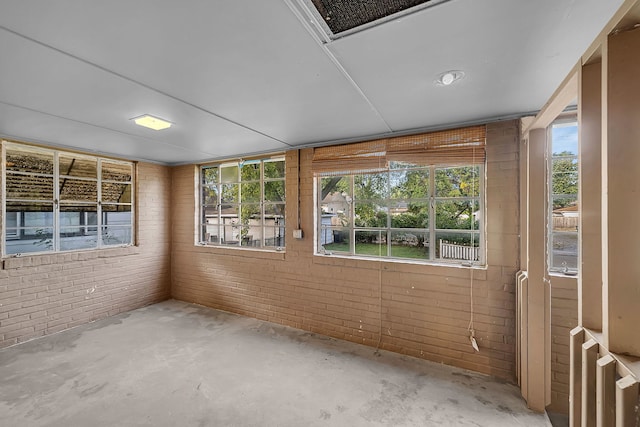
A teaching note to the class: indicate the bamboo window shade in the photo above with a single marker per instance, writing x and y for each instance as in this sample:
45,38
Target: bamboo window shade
453,147
363,157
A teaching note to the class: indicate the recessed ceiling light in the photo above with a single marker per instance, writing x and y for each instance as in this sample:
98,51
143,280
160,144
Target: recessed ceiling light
449,77
151,122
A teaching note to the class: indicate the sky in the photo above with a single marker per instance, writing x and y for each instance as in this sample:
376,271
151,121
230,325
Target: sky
565,138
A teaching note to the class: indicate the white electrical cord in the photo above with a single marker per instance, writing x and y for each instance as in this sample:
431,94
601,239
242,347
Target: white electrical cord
472,332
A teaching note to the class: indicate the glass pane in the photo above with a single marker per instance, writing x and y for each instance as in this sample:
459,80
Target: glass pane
251,236
113,235
29,160
31,214
564,139
80,215
210,214
29,187
116,215
250,171
78,166
409,184
335,219
564,176
458,246
116,193
250,192
211,227
458,182
274,211
73,238
335,197
210,195
117,171
409,215
38,219
230,193
229,173
334,239
250,215
564,255
371,242
456,215
11,220
210,175
567,203
230,226
274,191
370,214
371,186
274,169
565,215
274,237
211,234
80,191
412,244
30,240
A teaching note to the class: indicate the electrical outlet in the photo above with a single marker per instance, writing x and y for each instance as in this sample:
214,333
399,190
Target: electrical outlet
297,234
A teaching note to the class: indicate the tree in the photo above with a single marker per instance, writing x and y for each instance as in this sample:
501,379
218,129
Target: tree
564,179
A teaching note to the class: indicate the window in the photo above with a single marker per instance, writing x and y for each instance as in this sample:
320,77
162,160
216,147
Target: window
407,212
61,201
243,204
564,215
373,201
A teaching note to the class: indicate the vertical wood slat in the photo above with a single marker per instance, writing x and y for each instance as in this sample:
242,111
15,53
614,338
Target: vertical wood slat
589,359
627,390
575,376
606,391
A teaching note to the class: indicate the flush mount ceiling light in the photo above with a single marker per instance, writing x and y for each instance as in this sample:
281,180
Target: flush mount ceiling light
449,77
151,122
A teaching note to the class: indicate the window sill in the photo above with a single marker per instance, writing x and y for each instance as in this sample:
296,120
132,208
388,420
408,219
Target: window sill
570,275
245,251
22,261
331,259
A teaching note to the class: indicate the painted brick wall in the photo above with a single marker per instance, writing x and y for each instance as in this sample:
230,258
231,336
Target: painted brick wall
43,294
420,310
564,317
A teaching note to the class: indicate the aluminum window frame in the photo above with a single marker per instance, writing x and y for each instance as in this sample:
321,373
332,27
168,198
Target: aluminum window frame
56,176
205,237
432,231
563,121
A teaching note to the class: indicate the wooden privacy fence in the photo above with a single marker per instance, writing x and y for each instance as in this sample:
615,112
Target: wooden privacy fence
453,251
565,223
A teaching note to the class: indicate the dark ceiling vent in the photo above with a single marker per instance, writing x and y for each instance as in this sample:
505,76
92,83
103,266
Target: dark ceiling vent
344,15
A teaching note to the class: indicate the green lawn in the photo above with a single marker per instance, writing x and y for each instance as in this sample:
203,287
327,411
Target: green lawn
397,251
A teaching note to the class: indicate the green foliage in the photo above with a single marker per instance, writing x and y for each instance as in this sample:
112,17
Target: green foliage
400,199
373,249
564,179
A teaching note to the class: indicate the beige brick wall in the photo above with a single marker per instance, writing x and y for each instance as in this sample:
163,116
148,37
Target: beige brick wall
43,294
564,317
420,310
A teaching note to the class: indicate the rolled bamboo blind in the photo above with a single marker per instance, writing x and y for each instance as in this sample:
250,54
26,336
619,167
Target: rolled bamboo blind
449,147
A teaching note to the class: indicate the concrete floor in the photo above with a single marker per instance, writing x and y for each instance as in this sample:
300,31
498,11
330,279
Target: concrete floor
177,364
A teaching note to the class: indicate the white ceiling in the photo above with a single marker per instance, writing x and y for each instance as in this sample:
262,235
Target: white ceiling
241,77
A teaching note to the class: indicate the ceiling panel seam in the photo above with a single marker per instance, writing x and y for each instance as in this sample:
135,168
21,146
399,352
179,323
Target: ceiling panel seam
331,37
324,46
154,141
114,73
425,129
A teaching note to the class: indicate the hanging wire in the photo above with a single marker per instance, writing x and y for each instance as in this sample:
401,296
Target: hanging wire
377,353
471,329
